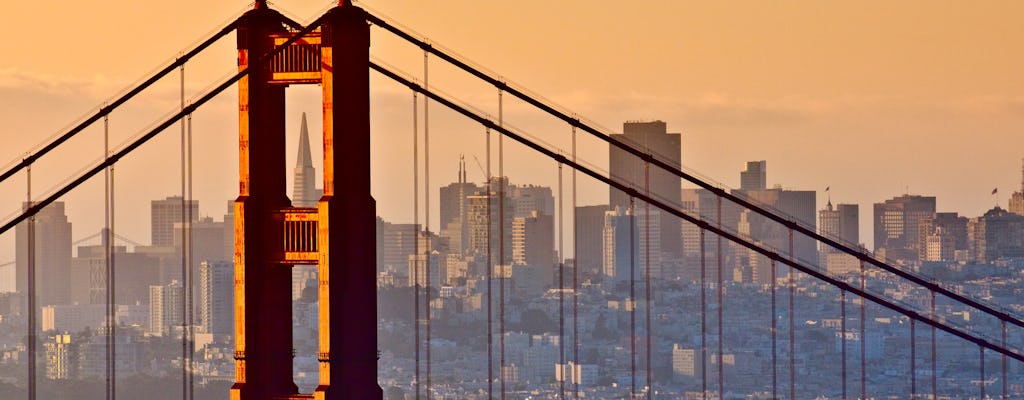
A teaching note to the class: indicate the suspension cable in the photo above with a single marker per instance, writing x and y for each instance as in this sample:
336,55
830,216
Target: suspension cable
184,249
935,352
490,277
774,330
842,336
502,182
191,267
426,209
718,292
913,362
416,234
576,278
647,278
785,221
863,345
107,252
792,322
703,318
561,289
31,280
703,224
631,304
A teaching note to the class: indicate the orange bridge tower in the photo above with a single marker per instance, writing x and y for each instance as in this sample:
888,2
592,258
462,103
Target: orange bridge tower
338,235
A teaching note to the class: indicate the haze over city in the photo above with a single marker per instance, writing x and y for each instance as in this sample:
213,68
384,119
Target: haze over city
872,101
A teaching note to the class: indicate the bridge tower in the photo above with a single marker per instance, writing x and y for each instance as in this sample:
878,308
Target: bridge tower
338,235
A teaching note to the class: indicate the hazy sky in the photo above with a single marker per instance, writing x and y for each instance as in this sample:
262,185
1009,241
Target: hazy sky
871,98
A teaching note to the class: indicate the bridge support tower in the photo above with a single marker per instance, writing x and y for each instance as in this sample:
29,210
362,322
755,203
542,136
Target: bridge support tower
338,235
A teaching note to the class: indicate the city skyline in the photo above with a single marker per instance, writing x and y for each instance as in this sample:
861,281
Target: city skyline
802,90
870,113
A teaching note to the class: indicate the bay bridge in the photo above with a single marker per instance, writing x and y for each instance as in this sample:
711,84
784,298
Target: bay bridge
274,234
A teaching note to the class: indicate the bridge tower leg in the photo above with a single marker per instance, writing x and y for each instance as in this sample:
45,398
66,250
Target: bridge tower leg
271,235
263,317
347,212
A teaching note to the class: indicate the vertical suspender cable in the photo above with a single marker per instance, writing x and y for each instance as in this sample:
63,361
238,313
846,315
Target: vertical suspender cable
721,332
107,251
31,278
191,267
981,381
489,275
647,278
113,291
863,346
935,381
913,355
842,335
184,250
1003,325
561,289
703,319
416,235
792,333
774,329
426,207
576,278
632,297
501,245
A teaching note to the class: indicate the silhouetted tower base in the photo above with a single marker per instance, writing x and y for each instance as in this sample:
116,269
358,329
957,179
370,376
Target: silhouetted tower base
271,235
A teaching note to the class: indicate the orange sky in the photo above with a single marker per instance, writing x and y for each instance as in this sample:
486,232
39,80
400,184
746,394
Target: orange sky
870,98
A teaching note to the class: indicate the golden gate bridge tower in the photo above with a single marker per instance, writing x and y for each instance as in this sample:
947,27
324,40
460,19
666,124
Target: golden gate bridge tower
338,235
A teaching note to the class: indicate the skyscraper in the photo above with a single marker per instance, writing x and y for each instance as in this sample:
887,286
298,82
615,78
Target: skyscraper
842,223
164,214
898,222
755,177
52,255
650,137
1017,198
165,308
533,244
589,226
304,191
216,297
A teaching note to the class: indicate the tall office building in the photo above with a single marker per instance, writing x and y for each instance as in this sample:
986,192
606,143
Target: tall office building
216,297
588,242
529,198
164,214
755,177
533,244
997,234
650,137
842,223
165,308
1017,198
897,225
453,209
630,244
52,255
304,191
489,220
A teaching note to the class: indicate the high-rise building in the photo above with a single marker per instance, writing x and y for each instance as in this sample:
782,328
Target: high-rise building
997,234
631,244
589,227
61,357
1017,198
217,297
134,271
755,177
454,208
304,191
52,244
798,204
529,198
164,214
841,223
533,244
165,308
898,223
489,221
207,241
650,137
